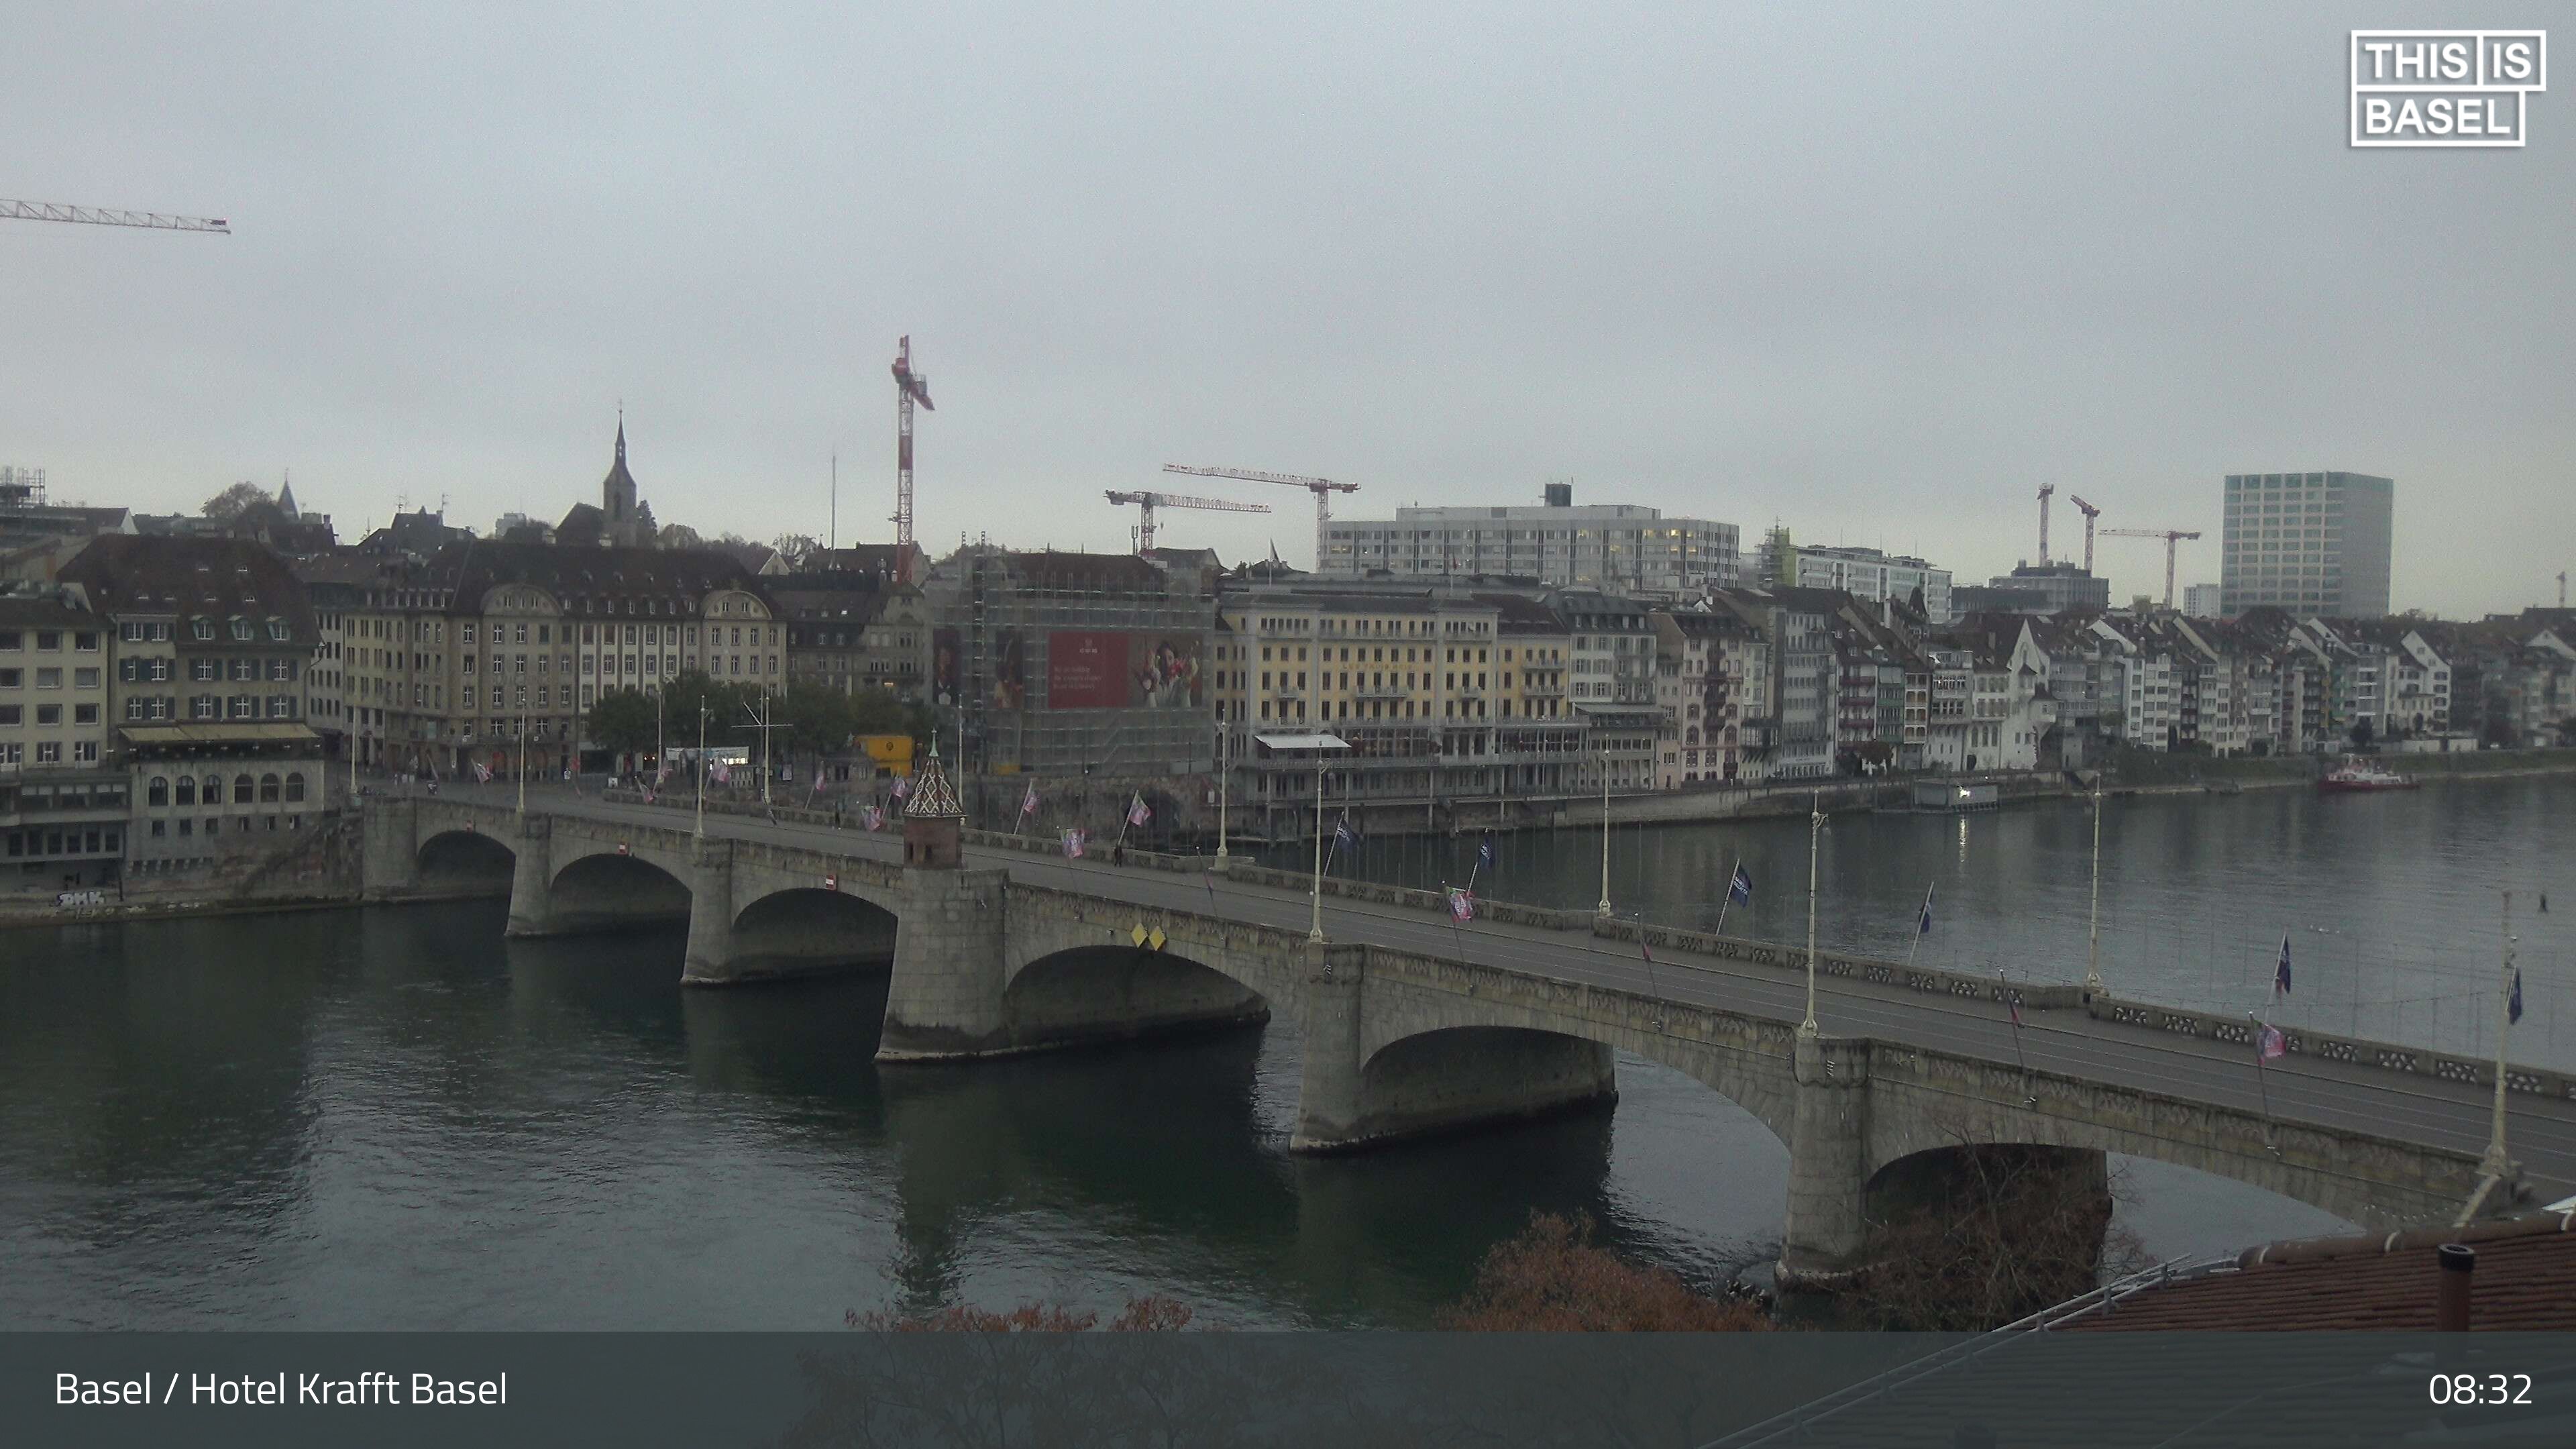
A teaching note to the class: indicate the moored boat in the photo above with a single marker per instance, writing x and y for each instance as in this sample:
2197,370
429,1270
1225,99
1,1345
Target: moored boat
2360,774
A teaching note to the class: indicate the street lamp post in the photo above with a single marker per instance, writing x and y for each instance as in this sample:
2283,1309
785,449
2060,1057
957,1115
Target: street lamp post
2495,1164
523,761
2093,948
1315,918
1603,910
1220,781
702,771
1815,828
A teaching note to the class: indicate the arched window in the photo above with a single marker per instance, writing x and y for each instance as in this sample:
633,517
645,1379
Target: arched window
214,789
268,789
242,790
187,789
295,787
158,792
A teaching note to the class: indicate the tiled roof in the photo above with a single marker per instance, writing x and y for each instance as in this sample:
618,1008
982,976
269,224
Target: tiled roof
216,577
932,797
2525,1280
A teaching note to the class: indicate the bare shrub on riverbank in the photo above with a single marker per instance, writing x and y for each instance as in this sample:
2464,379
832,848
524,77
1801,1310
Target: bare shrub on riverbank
1999,1232
1150,1314
1552,1278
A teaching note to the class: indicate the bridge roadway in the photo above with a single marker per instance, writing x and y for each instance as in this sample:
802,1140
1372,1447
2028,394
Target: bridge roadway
2540,1131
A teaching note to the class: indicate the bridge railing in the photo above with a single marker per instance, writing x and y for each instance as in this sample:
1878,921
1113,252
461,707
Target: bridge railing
2328,1046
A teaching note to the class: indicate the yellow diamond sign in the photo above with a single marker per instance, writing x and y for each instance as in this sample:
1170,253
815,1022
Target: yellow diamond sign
1157,938
1137,934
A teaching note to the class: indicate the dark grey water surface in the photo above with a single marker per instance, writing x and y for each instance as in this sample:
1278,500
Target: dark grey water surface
394,1118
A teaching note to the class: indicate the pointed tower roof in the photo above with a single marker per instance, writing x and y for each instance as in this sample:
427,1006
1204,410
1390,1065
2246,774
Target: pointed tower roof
617,467
932,797
286,500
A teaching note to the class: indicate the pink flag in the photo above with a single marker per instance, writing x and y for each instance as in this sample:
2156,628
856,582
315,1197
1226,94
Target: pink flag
1462,906
2271,1043
723,775
872,817
482,774
1073,840
1139,813
1029,802
902,786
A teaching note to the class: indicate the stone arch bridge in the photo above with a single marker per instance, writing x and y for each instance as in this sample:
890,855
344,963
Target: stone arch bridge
1398,1042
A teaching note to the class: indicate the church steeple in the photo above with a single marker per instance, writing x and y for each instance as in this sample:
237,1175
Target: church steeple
617,495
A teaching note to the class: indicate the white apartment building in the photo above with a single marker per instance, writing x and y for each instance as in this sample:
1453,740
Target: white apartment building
2306,543
1869,574
1623,547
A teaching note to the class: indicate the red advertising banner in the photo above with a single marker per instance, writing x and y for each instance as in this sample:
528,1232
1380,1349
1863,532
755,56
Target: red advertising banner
1086,670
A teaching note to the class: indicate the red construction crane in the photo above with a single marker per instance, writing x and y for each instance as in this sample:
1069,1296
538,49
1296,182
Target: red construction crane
2045,489
2171,536
103,216
1322,488
909,387
1146,503
2090,513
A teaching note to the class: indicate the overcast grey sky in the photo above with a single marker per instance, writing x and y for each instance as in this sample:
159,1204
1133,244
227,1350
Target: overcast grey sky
1872,271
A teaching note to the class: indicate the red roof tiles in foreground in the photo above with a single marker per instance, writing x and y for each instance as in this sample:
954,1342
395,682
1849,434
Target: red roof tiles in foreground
2525,1280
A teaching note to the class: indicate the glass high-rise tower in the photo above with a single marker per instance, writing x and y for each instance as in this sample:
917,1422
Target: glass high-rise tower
2307,543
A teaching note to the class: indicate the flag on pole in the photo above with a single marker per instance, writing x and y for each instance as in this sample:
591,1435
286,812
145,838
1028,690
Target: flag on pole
1923,922
2014,1002
723,774
1462,906
1140,812
2513,1003
1740,889
2270,1043
872,817
1073,839
1029,801
2281,972
902,786
1342,836
482,772
1485,851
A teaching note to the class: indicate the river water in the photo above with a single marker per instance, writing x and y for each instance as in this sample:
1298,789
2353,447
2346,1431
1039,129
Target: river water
394,1118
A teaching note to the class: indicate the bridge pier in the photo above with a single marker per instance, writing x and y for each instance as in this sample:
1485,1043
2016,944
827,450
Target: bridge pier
1826,1232
945,1000
389,863
1430,1082
532,902
710,960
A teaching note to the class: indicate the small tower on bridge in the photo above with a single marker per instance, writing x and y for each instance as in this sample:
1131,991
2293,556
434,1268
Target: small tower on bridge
933,821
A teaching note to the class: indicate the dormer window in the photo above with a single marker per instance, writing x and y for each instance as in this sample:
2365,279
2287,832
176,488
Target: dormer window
203,628
277,630
240,627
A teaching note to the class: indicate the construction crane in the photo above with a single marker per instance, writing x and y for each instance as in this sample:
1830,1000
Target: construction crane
909,387
104,216
2171,536
2045,489
2090,513
1146,503
1322,488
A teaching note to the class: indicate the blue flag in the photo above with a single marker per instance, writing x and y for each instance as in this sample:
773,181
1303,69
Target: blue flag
1485,851
1342,836
1923,926
2281,973
1740,889
2513,1004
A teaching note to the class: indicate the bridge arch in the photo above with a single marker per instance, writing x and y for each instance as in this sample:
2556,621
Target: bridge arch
464,862
1097,993
606,892
2354,1177
1463,1076
802,929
